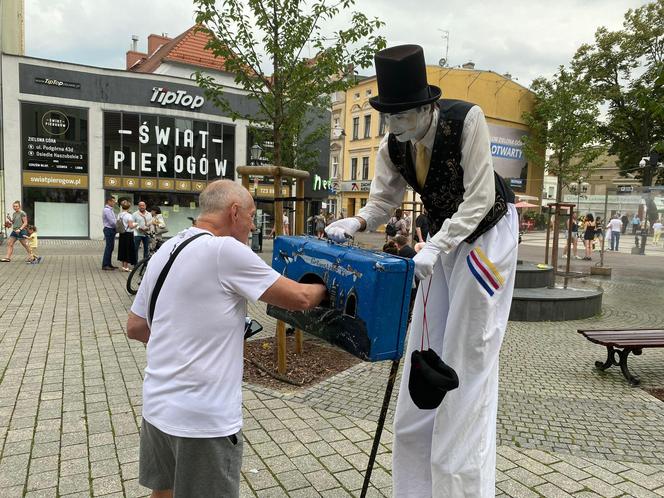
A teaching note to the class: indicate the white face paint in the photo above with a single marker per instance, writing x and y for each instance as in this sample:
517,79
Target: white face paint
411,124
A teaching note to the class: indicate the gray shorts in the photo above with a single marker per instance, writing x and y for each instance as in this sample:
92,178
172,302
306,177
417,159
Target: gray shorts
191,467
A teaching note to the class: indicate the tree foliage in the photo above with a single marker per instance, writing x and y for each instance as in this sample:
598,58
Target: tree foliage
249,35
626,71
564,121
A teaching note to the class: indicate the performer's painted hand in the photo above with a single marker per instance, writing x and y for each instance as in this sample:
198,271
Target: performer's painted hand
425,261
340,229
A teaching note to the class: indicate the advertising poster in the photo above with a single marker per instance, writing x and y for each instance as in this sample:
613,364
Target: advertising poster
54,139
507,151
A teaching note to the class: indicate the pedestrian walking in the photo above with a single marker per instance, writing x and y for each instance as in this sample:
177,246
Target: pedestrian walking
636,223
421,227
657,231
18,223
588,235
617,228
408,220
625,221
396,225
126,247
191,441
319,224
143,222
109,221
575,237
33,244
599,234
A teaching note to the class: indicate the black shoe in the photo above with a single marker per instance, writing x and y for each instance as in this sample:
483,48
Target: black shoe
114,267
108,268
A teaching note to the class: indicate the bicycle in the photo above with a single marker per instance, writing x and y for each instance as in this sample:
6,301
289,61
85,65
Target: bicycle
136,275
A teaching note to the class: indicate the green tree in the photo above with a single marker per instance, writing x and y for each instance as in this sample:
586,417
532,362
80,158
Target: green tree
626,71
564,121
249,35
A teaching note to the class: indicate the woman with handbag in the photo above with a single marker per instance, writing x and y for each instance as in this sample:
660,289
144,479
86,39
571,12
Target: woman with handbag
126,225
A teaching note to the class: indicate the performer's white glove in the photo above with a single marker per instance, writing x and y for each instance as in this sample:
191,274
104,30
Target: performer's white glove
425,261
338,230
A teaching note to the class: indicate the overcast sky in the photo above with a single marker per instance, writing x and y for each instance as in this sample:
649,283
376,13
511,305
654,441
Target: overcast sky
527,38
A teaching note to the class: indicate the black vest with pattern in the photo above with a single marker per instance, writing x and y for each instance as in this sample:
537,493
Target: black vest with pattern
443,187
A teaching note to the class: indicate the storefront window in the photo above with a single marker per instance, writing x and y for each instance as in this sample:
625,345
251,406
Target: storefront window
150,147
166,145
131,165
200,147
112,141
176,208
57,212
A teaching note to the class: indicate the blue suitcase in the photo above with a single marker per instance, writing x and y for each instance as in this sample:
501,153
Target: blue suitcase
367,313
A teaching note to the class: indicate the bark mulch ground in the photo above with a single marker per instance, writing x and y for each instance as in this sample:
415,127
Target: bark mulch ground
316,363
656,392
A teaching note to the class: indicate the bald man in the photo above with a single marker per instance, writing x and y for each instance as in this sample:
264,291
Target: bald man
191,441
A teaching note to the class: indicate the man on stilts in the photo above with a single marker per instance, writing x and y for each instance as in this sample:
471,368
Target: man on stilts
444,447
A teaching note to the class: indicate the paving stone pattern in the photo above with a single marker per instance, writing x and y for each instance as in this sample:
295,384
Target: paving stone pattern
70,399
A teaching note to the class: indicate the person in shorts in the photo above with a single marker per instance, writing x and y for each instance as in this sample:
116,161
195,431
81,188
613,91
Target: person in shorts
191,440
18,223
33,243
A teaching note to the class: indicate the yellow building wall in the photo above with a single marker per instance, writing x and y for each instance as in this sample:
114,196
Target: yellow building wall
502,100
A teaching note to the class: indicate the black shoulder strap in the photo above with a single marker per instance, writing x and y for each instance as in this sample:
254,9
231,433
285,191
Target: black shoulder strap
164,273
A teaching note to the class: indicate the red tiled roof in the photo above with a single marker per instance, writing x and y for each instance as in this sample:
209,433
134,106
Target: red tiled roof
187,48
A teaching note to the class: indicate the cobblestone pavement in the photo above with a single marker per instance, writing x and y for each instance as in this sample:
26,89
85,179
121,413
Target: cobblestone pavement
70,397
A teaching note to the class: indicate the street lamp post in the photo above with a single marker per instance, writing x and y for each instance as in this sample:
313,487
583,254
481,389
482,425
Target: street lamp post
255,153
579,187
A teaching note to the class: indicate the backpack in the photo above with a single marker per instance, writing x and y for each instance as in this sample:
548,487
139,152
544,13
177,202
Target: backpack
391,228
119,225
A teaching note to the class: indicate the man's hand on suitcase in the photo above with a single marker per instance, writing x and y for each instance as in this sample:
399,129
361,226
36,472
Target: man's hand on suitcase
340,229
425,260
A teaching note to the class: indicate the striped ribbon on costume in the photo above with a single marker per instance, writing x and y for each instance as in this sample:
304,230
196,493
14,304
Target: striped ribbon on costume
484,271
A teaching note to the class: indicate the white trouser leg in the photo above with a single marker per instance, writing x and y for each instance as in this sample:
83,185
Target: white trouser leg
450,452
411,469
463,455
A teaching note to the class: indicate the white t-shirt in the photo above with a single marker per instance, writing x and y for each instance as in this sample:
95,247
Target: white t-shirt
657,227
193,378
615,225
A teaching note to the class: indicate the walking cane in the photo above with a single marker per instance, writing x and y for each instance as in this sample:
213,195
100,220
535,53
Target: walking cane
379,428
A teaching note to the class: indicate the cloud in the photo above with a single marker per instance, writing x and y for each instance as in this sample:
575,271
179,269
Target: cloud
525,38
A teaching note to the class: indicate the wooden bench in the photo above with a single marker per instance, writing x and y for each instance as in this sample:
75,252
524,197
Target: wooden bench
620,342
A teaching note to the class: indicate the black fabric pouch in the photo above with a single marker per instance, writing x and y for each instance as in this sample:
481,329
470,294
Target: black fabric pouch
430,379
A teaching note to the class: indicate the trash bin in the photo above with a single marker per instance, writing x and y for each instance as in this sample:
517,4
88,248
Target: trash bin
257,240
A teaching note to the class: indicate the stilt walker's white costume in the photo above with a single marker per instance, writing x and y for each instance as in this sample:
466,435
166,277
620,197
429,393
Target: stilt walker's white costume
466,270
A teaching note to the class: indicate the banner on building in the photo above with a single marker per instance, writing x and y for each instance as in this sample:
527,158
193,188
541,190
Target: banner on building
182,153
509,160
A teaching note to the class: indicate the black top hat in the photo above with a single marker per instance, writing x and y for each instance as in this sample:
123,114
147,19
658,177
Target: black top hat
402,80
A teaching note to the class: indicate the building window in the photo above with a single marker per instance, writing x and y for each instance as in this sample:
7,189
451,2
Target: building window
365,168
353,168
336,122
335,166
367,126
368,92
383,124
363,202
357,95
356,128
